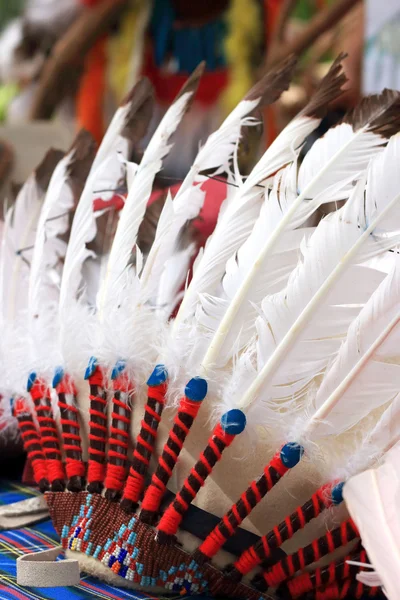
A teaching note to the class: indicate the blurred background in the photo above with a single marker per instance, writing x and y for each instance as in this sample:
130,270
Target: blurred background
66,64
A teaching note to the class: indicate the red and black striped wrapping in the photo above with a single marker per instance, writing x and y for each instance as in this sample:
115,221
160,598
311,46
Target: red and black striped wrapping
323,498
284,460
119,433
97,427
334,573
189,406
320,547
347,590
31,440
67,402
232,423
145,441
41,397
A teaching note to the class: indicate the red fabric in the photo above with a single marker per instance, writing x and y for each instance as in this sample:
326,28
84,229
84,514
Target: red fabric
90,2
167,85
204,224
117,201
206,221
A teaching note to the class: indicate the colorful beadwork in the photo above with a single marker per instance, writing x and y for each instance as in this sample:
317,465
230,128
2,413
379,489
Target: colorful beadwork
124,557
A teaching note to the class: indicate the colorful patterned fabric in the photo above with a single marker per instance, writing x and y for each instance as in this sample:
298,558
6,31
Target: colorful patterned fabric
14,543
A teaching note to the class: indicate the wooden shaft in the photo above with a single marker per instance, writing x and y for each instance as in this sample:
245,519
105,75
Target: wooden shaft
68,54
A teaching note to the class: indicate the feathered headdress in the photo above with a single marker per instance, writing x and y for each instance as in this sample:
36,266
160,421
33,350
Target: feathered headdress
272,353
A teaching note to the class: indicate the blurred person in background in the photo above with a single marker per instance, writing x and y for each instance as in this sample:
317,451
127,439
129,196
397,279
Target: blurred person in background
166,39
381,66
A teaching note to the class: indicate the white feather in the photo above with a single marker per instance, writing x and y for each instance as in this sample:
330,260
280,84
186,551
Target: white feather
15,263
241,212
215,155
136,202
352,157
285,148
50,248
17,249
108,169
372,499
175,214
273,278
174,273
82,268
232,229
365,375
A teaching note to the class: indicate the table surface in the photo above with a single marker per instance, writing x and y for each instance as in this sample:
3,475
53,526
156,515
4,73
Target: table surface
14,543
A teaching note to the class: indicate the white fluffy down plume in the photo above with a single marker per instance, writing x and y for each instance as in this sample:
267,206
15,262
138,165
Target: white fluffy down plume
130,334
